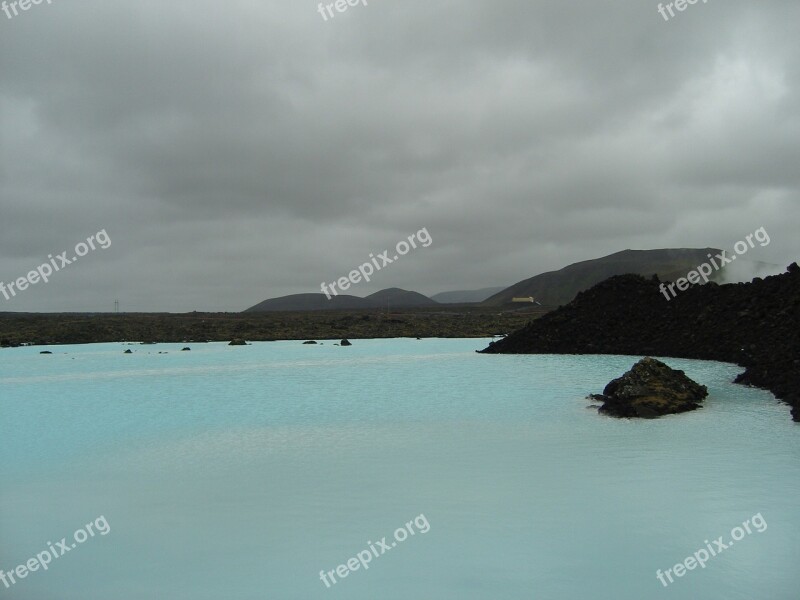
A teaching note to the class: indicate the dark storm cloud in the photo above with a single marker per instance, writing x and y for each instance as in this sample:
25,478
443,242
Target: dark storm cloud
236,151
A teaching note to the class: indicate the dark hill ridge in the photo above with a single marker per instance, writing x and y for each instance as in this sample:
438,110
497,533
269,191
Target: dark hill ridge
466,296
394,297
756,325
297,302
555,288
399,299
551,289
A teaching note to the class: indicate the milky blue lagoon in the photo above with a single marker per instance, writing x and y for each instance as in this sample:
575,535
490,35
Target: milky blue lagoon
238,473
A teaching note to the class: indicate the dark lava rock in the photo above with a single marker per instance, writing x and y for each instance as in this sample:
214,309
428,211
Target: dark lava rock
650,389
755,325
237,342
187,349
345,343
45,352
310,342
128,351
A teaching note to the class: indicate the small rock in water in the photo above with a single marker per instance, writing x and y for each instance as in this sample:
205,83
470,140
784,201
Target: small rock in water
128,351
309,342
187,349
649,390
345,343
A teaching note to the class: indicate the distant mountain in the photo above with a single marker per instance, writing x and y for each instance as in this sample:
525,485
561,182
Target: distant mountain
560,287
308,302
551,289
465,296
395,297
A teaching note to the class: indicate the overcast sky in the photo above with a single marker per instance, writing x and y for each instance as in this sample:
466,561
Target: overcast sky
240,150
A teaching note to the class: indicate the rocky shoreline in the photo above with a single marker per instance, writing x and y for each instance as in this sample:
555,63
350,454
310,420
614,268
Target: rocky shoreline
451,321
755,325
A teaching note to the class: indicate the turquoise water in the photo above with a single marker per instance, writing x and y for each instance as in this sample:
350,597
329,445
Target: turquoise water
241,472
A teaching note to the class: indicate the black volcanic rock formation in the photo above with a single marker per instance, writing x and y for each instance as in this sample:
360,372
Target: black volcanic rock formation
756,325
651,389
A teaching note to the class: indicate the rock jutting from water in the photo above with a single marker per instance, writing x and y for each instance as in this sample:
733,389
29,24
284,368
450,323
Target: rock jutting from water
649,390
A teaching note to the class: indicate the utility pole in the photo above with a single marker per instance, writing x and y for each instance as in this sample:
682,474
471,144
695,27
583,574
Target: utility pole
116,306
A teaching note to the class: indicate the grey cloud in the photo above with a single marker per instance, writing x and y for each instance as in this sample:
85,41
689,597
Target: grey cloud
243,150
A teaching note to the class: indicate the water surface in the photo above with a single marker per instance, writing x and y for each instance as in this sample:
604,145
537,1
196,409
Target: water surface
241,472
